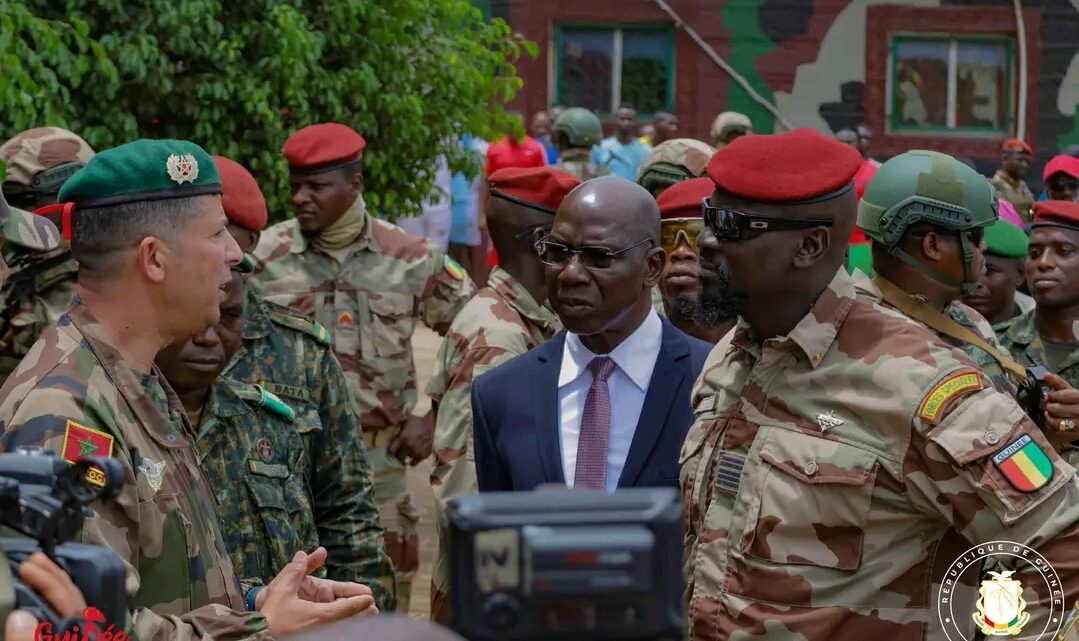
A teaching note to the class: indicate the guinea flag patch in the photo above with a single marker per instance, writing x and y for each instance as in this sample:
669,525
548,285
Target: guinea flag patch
946,390
454,268
1024,464
81,441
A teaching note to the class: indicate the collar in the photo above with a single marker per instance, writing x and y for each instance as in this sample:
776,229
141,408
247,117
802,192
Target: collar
257,321
817,330
226,399
366,239
635,356
1021,330
518,298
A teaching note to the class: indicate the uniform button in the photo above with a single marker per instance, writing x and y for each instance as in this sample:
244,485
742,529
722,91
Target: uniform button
992,438
810,468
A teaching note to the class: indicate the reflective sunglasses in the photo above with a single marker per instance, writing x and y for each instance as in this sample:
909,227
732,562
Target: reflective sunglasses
591,257
731,224
673,230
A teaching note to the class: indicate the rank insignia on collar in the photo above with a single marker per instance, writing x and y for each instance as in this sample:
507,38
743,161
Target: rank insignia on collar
828,420
154,472
182,168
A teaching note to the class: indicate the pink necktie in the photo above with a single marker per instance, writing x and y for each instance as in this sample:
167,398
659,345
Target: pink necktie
591,472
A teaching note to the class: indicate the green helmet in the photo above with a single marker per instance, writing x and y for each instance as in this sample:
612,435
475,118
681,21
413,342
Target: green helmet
927,187
580,127
673,161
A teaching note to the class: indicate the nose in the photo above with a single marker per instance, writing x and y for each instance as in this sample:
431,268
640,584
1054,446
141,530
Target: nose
573,272
300,196
207,338
233,254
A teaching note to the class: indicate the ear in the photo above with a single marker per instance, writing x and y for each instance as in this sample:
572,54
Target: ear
535,235
932,248
654,264
356,181
152,258
814,246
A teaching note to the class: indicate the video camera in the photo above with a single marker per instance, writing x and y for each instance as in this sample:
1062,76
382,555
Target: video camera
1033,395
46,498
567,565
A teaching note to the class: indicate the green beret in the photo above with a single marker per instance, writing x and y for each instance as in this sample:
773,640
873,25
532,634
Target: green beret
143,170
860,257
1005,239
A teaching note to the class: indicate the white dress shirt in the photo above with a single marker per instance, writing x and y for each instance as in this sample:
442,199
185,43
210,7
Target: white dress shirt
635,359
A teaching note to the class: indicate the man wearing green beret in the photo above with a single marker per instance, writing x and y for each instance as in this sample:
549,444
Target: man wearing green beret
154,256
996,297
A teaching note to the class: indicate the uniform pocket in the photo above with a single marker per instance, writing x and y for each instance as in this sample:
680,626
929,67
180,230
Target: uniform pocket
277,510
812,502
392,319
166,546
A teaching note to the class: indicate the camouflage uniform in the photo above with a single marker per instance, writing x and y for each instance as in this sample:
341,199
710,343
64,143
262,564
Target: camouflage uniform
25,230
579,163
1016,192
288,354
1021,336
834,474
180,583
500,322
42,284
371,296
673,161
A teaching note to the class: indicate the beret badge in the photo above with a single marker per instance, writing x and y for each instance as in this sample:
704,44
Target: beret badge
182,168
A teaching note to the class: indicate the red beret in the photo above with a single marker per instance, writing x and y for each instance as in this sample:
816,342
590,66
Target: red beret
785,168
1014,144
539,188
241,197
1061,164
1056,212
319,148
683,199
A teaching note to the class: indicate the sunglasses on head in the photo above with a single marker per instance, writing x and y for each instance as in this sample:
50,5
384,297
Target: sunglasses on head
592,257
673,230
731,225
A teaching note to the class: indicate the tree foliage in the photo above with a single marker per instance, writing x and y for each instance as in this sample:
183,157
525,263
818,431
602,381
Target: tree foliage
238,76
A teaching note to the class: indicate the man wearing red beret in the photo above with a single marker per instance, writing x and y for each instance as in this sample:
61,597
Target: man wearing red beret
1015,157
508,317
681,223
369,282
289,356
1061,178
843,455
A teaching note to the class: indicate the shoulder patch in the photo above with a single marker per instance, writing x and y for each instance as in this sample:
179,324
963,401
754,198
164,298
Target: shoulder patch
1024,464
274,404
299,322
81,441
454,268
953,386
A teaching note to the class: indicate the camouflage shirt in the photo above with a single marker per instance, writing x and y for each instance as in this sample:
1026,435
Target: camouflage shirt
39,290
500,322
74,395
289,355
579,163
1016,192
370,299
1020,334
257,465
832,476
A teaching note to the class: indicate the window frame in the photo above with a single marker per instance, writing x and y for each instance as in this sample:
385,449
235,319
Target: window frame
616,28
954,40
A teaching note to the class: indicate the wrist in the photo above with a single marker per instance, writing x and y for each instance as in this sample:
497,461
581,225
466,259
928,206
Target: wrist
253,600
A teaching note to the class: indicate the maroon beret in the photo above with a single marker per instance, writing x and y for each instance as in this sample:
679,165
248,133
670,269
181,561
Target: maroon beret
539,188
1061,213
683,199
1014,144
319,148
1061,164
788,168
241,197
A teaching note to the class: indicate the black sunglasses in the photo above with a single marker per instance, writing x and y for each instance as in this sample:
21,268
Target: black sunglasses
731,224
559,255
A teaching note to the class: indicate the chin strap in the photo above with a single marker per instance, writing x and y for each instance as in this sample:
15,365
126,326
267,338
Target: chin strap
970,280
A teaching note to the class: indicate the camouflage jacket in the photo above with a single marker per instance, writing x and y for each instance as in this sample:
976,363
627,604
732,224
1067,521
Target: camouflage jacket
832,476
76,396
370,300
969,318
38,291
1015,192
289,355
500,322
1021,336
257,464
579,163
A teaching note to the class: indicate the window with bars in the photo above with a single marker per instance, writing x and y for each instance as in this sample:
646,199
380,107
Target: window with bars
600,67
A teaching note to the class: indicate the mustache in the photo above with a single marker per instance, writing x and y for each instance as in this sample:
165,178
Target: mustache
719,304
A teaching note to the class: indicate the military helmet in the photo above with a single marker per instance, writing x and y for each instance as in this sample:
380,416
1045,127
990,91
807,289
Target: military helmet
39,161
673,161
580,127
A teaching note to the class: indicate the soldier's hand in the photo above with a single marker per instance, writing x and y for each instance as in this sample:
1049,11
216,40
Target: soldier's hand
286,605
1062,405
414,442
50,581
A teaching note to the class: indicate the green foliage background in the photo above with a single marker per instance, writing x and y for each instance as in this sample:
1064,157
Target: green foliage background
238,76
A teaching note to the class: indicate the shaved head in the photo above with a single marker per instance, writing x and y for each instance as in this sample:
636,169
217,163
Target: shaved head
614,198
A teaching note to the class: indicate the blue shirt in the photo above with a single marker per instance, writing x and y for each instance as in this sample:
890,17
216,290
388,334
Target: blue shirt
622,160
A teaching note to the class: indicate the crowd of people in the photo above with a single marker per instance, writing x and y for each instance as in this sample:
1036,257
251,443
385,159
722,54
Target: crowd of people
828,355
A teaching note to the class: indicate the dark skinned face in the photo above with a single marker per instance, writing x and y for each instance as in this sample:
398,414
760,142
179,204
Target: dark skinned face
541,125
591,301
196,362
245,238
680,284
1015,163
995,296
319,200
627,122
666,128
1053,266
1061,186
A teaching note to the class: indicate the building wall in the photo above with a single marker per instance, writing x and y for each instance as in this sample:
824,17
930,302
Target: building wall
811,59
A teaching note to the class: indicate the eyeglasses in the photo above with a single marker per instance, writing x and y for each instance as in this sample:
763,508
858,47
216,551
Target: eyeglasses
559,255
731,224
674,229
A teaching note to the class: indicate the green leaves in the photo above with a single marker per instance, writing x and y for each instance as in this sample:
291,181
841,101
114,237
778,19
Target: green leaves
239,76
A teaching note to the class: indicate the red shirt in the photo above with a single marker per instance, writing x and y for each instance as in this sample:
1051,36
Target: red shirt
510,153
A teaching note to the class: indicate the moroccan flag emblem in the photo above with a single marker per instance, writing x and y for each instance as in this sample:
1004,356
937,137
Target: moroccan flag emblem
81,441
1024,464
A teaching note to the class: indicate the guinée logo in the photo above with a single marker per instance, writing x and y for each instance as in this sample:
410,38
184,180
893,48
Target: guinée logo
88,629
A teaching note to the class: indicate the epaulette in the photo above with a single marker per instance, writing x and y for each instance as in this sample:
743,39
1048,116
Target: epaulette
294,320
257,395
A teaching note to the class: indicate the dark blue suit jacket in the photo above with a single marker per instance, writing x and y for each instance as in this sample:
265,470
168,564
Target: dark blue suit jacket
515,417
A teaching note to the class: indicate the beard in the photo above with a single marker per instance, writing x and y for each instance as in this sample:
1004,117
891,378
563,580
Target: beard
718,304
